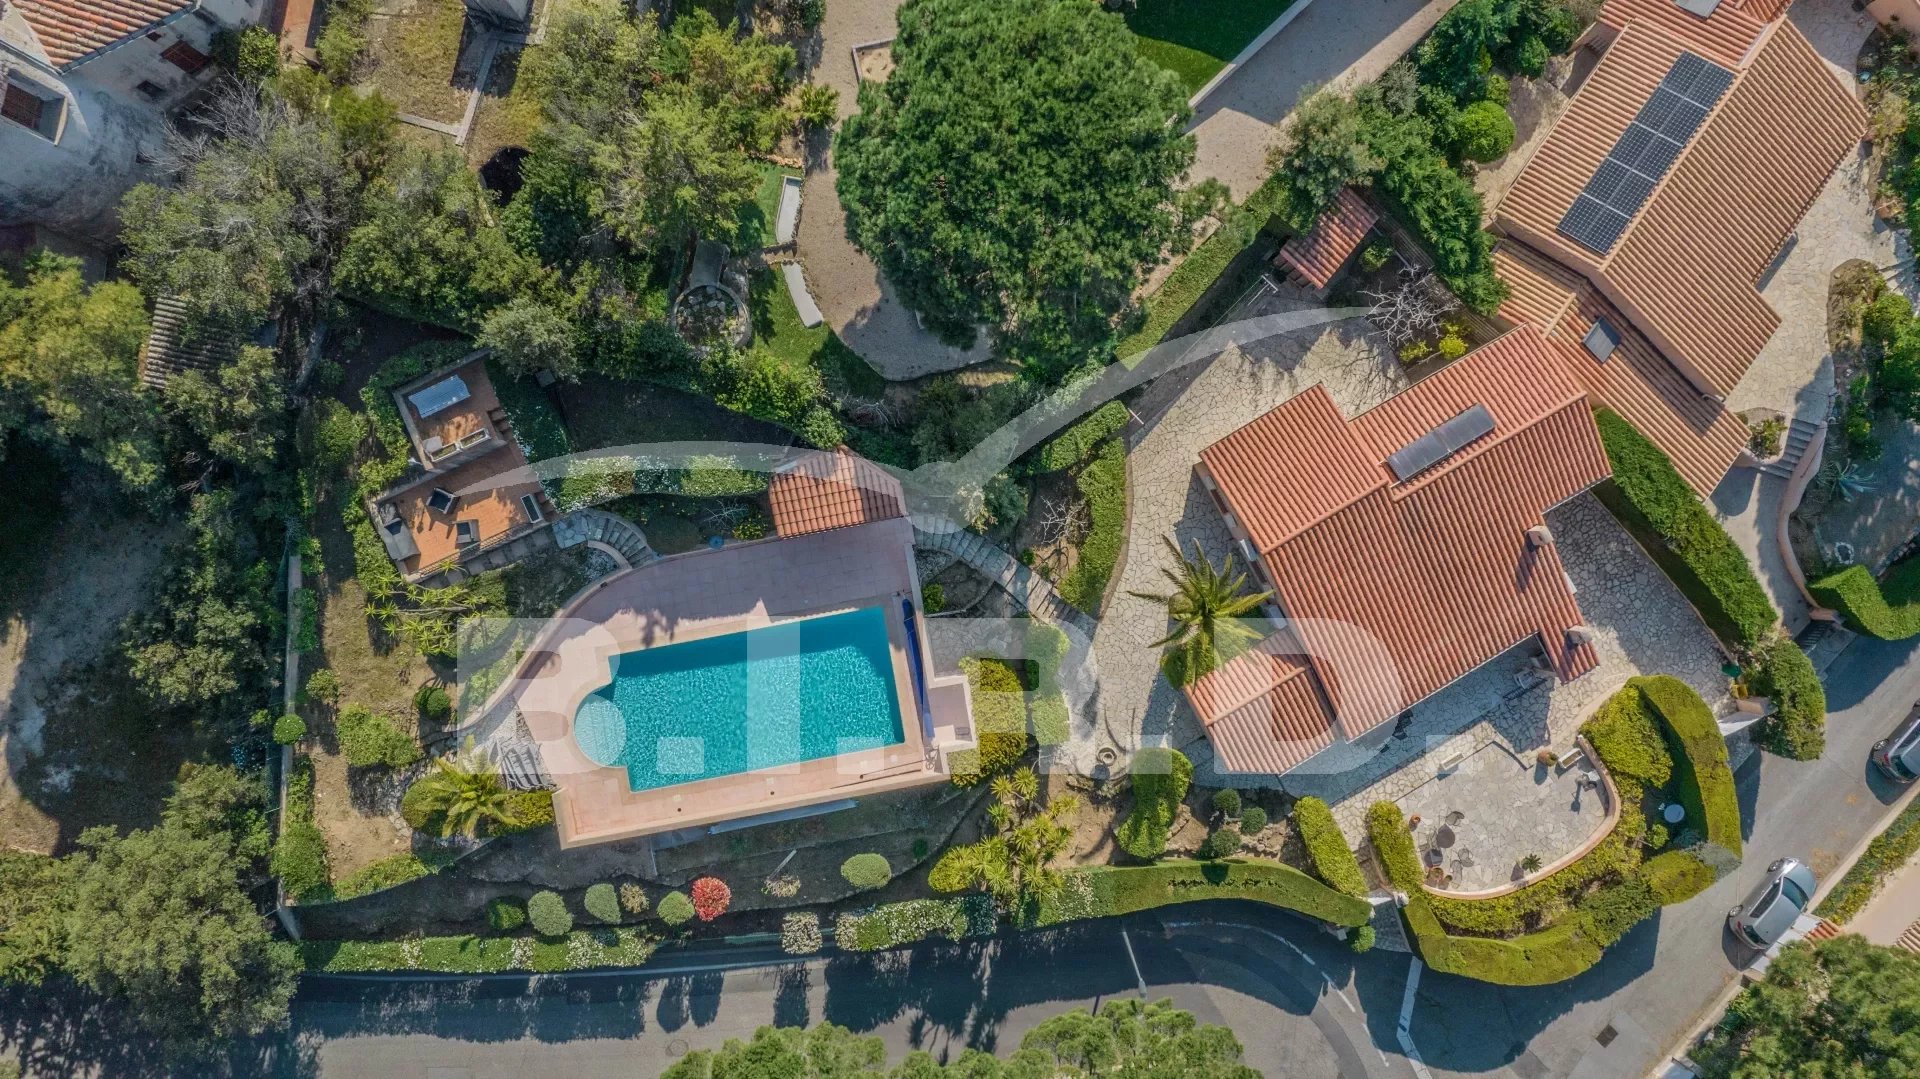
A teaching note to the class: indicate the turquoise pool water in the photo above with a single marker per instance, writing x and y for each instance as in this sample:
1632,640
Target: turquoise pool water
779,695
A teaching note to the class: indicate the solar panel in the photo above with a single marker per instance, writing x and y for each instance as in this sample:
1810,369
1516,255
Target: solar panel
1645,151
1440,443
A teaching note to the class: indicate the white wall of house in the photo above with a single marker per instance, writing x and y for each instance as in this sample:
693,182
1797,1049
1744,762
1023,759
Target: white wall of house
112,111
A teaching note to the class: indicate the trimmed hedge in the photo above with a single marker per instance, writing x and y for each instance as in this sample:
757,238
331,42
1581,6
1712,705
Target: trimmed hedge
1677,876
1077,442
675,908
867,871
602,902
895,924
1888,851
580,950
1888,609
1159,778
1184,287
1333,861
1103,483
549,914
999,717
1798,726
1648,495
300,854
1129,889
388,873
1702,775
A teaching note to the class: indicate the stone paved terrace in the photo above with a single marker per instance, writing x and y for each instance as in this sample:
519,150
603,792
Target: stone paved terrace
1507,808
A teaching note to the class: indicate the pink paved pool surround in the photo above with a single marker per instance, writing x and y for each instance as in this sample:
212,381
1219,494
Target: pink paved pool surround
705,594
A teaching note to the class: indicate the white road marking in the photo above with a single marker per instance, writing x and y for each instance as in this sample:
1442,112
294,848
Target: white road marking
1338,992
1131,958
1405,1032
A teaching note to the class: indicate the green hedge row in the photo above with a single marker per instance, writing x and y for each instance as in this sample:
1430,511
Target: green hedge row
1129,889
1077,442
1648,495
1333,861
895,924
1702,775
1184,287
580,950
1889,609
1889,851
1798,726
1103,483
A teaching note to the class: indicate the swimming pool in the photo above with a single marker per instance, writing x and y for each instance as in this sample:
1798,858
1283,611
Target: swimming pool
782,694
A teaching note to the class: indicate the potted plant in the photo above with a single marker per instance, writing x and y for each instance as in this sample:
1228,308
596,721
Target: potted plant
1530,865
1546,758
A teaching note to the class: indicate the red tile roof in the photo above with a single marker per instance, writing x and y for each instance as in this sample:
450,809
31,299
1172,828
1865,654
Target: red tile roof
1686,270
1320,253
1398,588
832,490
1701,437
1263,710
71,31
1723,37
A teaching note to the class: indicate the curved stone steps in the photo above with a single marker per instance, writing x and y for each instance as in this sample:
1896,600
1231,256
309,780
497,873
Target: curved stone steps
599,526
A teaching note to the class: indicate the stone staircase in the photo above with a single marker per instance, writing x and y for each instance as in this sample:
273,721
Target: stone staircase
1032,590
599,526
1800,435
506,554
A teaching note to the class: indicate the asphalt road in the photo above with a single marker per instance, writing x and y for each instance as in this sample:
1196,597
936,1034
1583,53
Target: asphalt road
1618,1019
1298,1001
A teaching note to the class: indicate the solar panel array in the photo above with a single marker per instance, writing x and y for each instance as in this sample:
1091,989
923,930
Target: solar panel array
1645,151
1440,443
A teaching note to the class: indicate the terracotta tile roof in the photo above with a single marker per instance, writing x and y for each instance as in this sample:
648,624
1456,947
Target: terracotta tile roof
1701,437
1399,591
72,31
168,353
832,490
1764,10
1319,254
1687,267
1723,37
1262,709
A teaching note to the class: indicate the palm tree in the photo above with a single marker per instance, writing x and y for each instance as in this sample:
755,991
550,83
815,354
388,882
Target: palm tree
1209,608
467,791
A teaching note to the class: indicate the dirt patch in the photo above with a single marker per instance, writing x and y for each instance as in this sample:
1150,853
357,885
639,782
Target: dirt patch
81,747
874,63
1055,525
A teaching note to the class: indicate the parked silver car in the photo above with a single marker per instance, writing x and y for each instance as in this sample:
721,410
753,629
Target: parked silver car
1898,755
1775,905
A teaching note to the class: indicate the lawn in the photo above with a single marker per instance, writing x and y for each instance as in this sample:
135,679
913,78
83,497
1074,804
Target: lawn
756,218
1195,42
777,329
603,411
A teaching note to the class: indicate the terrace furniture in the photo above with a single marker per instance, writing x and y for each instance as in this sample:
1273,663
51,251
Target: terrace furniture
803,304
787,218
466,533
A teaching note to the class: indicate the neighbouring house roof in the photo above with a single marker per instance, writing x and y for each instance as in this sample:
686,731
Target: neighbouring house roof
74,31
168,352
837,489
1696,432
1687,266
1397,587
1318,254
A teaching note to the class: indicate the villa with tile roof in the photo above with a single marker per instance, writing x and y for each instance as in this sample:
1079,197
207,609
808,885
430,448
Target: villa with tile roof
1640,232
85,86
1405,547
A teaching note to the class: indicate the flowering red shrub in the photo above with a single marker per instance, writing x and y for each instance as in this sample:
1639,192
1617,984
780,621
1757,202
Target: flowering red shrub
711,896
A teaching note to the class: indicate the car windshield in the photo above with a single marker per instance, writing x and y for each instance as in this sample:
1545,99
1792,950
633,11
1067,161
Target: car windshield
1799,898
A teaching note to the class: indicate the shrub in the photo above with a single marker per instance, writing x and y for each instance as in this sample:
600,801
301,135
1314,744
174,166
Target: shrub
1452,347
954,871
1333,861
549,914
675,908
1103,483
367,739
1608,913
894,924
530,810
323,686
1704,779
1047,648
1224,842
1075,444
1253,820
504,915
602,902
420,809
1888,609
711,897
1676,876
1361,940
1160,778
1798,726
1393,842
867,871
1481,132
1226,802
1375,255
1649,496
289,729
432,703
934,598
386,873
300,859
800,933
633,898
1000,718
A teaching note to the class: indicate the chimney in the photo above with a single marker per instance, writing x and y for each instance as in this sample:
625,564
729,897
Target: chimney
1539,536
1579,635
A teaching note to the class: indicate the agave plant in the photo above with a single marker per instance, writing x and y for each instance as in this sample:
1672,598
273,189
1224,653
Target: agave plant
1209,606
467,792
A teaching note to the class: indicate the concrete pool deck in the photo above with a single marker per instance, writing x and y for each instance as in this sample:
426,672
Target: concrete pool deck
709,593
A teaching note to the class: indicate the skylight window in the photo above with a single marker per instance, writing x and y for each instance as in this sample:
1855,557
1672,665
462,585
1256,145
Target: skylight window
1601,340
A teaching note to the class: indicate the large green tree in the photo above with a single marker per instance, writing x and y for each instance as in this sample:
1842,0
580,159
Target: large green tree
239,409
1324,149
1127,1039
69,368
1018,170
1842,1007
